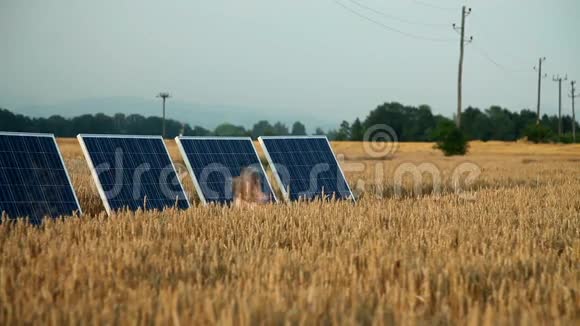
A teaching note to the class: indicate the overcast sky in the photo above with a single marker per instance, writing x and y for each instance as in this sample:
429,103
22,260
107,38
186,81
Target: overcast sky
280,55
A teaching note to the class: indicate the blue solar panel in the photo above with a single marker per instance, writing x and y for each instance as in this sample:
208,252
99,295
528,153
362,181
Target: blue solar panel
213,163
34,182
306,168
133,172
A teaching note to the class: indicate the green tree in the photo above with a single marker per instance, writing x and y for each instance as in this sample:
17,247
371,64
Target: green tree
422,123
522,121
230,130
298,129
538,133
262,128
197,131
476,124
357,130
332,134
280,129
450,139
391,114
343,132
502,122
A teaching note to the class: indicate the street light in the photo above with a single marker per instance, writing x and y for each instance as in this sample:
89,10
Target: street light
164,96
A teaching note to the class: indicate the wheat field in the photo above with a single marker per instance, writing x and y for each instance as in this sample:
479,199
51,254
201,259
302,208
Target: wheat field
504,250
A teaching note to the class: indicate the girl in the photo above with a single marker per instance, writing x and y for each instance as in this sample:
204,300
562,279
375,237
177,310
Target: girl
248,189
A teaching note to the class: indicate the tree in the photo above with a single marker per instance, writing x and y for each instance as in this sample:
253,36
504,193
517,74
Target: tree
419,124
502,122
319,132
523,120
280,129
476,124
538,133
262,128
119,122
134,123
343,132
57,125
332,134
197,131
391,114
450,139
410,123
356,131
298,129
228,129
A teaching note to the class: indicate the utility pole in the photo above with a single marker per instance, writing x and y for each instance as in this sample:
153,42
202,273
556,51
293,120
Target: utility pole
573,95
464,13
539,69
559,80
164,96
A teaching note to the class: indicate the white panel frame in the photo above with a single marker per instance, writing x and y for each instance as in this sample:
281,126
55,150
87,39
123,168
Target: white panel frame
30,134
273,165
95,175
194,177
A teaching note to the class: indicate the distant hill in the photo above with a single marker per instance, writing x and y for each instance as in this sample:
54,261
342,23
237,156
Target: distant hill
208,116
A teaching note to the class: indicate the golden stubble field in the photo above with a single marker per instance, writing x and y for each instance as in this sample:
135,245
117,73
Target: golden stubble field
505,250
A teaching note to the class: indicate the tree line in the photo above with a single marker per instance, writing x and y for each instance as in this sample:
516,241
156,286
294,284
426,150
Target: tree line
420,124
409,123
135,124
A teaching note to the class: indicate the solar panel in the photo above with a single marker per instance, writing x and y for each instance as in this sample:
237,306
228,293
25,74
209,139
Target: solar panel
133,172
306,167
213,162
34,182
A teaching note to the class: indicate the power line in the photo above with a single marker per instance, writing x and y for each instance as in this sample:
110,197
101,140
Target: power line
488,57
430,5
389,28
395,18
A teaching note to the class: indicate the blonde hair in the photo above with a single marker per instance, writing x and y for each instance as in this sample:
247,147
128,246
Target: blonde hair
248,187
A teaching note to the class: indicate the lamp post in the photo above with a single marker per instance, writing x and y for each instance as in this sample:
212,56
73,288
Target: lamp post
164,96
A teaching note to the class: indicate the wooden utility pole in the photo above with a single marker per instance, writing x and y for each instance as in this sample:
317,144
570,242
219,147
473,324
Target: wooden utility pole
461,30
559,80
164,96
539,69
573,95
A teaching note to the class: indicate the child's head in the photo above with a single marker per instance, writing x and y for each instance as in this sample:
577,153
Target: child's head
248,186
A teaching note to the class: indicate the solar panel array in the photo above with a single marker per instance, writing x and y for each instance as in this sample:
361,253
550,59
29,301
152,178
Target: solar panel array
213,163
133,172
306,168
137,172
34,182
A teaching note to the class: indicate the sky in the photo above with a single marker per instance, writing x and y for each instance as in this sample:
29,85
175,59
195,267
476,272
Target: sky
331,58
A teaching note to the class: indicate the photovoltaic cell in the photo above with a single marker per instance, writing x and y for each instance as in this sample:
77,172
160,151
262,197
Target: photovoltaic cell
214,161
34,182
306,168
133,172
